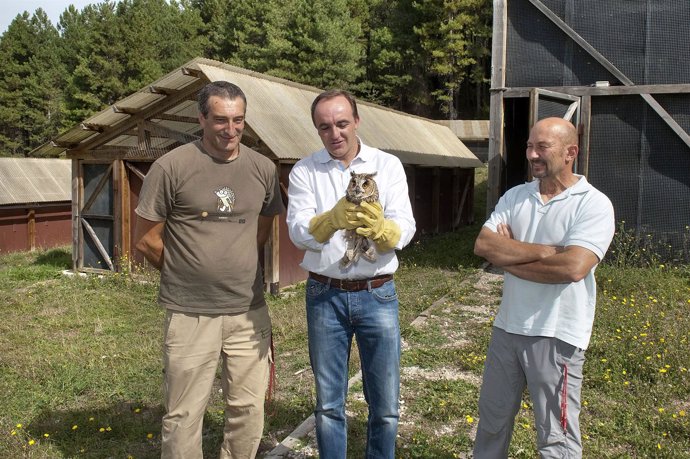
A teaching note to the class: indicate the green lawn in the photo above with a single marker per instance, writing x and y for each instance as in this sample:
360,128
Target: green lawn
80,371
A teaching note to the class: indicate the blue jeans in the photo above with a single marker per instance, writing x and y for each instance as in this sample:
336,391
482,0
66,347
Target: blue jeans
333,317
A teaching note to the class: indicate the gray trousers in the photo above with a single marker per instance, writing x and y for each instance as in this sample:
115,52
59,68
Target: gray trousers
542,364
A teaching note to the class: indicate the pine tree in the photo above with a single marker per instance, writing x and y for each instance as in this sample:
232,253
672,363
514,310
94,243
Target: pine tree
117,48
394,60
31,105
454,34
315,42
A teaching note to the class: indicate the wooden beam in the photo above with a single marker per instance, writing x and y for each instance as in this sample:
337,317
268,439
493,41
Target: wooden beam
179,118
93,127
124,255
99,187
152,110
603,90
665,116
496,155
162,131
135,170
76,201
192,72
411,173
97,242
117,212
143,136
111,154
586,123
272,258
161,90
455,200
436,199
126,110
67,145
463,199
31,228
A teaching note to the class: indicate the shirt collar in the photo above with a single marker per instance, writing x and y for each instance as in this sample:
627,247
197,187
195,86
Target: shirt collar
581,186
365,154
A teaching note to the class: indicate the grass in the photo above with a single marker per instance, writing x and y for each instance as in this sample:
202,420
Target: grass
80,371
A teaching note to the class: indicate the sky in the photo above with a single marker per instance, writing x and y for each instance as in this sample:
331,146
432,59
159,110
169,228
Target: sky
9,9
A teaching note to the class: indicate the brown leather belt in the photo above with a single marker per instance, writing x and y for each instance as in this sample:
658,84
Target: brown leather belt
352,285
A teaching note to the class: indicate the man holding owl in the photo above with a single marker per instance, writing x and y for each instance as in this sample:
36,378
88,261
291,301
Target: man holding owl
355,298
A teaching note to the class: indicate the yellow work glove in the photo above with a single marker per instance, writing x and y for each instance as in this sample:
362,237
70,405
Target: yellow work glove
385,233
342,216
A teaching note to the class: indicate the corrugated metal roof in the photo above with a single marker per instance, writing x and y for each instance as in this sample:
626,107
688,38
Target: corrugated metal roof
35,180
278,112
468,129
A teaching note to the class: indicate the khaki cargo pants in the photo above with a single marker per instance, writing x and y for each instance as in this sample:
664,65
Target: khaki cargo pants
192,346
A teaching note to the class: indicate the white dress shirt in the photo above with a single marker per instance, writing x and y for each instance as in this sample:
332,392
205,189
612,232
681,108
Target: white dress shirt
318,182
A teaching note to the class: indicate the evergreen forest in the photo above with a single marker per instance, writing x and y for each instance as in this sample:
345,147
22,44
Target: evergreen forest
425,57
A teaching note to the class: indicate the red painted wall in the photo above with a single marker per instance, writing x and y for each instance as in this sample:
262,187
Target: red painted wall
53,227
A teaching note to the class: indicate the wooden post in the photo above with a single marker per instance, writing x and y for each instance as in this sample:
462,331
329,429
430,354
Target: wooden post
272,259
410,171
436,199
498,64
118,203
456,209
586,120
76,224
31,228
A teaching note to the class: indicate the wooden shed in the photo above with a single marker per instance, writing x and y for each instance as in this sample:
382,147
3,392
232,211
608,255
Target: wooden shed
35,203
112,151
473,133
620,70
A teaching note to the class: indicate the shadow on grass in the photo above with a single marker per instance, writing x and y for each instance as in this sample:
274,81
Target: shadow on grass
59,257
133,430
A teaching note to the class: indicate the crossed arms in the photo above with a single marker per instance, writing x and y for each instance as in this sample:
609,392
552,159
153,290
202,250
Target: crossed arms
534,262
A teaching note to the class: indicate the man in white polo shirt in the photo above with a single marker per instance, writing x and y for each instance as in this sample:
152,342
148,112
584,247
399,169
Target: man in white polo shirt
548,236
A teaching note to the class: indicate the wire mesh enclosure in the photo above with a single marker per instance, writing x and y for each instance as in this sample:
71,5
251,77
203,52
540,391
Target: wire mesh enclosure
628,63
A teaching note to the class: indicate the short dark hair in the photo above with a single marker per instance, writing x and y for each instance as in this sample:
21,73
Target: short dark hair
331,94
223,89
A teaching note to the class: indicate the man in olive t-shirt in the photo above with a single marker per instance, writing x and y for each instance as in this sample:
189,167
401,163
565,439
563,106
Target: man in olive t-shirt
204,210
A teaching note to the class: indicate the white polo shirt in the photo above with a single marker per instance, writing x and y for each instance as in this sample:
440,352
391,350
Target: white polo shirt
582,216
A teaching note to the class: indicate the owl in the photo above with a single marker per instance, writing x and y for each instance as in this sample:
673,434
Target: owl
362,187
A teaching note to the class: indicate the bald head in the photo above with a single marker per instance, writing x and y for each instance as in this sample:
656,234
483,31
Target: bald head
552,150
562,129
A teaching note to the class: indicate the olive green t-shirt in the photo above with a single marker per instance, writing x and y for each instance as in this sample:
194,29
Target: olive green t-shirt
211,210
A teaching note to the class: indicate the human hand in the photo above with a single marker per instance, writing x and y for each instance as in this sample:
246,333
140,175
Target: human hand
504,230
